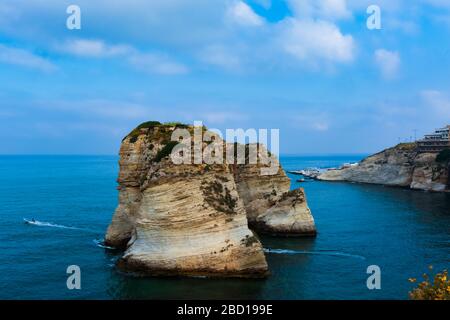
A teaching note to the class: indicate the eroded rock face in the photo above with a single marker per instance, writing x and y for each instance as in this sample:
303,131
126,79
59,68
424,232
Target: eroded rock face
289,216
428,174
184,228
271,207
400,166
191,219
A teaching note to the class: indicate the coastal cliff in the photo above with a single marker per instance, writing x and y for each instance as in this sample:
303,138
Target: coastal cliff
401,166
192,219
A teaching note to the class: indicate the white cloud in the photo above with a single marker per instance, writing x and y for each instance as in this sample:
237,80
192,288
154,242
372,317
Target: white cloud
62,130
438,102
439,3
407,26
221,56
240,13
385,5
99,108
24,58
312,121
93,48
320,126
222,117
388,62
157,64
163,21
322,9
188,27
311,40
154,63
312,36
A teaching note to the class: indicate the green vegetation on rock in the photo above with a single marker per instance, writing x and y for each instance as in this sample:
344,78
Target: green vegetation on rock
148,124
165,151
443,156
134,135
407,146
219,196
136,132
176,125
248,241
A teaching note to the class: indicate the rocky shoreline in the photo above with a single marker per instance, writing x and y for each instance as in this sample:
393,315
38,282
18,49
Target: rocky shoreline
198,219
400,166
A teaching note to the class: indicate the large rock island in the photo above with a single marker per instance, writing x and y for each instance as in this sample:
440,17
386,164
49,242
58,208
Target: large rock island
193,219
401,166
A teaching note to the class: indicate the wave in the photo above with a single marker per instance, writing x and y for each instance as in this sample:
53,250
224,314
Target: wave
101,244
322,252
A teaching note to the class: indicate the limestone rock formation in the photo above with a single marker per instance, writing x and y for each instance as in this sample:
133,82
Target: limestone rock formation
400,166
191,219
429,174
271,206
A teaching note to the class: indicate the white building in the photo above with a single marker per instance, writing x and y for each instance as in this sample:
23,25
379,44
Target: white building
436,141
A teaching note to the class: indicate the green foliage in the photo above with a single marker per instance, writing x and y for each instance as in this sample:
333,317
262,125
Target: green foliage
431,288
176,124
407,146
134,135
165,151
443,156
248,241
164,129
229,201
219,197
149,124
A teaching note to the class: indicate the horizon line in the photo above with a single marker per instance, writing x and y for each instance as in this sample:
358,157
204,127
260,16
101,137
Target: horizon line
116,155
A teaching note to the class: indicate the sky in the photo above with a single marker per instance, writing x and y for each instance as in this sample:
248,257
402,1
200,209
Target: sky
310,68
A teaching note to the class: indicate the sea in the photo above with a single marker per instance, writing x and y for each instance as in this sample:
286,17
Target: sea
72,200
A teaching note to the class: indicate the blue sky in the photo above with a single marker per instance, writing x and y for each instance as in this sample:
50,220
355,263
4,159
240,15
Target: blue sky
310,68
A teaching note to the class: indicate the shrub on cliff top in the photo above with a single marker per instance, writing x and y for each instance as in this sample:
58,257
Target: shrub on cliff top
148,124
443,156
176,125
134,135
137,131
407,146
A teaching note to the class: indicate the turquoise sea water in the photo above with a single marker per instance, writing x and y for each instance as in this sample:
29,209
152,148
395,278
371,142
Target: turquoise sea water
74,197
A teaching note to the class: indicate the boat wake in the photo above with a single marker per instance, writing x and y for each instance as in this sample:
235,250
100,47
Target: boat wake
322,252
52,225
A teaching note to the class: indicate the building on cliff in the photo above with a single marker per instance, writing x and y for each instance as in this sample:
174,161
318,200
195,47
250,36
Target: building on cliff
435,142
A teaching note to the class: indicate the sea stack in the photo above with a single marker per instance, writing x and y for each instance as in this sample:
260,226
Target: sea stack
271,206
192,219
